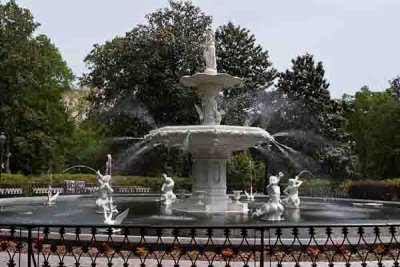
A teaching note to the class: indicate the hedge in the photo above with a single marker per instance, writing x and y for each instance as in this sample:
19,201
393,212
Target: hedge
58,179
377,190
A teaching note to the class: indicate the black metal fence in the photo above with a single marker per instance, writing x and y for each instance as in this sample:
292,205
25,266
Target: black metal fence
275,245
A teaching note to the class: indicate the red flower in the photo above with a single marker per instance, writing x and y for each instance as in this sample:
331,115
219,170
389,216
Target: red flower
227,252
39,242
379,249
313,251
141,251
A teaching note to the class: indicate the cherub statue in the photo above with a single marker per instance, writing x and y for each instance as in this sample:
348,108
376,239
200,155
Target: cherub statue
104,182
292,192
167,195
273,208
105,201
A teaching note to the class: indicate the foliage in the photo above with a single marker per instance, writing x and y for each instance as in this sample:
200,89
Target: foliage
311,107
374,125
244,170
149,61
395,87
377,190
58,179
33,78
340,161
239,55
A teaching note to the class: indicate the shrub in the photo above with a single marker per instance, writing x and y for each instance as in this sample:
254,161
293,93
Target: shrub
377,190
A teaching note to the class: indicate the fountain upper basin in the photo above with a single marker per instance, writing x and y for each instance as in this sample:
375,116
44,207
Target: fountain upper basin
210,140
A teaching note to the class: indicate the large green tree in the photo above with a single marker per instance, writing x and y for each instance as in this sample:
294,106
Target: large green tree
149,61
33,77
305,117
238,54
310,106
375,126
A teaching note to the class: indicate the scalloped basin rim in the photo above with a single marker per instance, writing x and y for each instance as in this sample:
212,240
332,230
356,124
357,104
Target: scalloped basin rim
211,129
222,79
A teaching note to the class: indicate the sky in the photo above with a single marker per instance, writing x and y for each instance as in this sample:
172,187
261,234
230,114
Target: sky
357,40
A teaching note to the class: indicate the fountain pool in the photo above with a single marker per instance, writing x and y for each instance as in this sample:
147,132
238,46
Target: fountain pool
148,210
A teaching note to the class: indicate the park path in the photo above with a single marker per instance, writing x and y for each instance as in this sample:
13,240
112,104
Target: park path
118,262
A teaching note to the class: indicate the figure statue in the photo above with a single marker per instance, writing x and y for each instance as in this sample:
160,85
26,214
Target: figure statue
51,199
118,220
208,112
167,195
104,182
273,208
209,52
292,192
105,201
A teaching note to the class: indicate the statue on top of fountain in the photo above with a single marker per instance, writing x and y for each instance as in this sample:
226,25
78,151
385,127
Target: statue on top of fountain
209,53
208,111
273,209
292,192
167,195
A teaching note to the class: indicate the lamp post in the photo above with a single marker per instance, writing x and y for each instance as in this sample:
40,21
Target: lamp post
2,141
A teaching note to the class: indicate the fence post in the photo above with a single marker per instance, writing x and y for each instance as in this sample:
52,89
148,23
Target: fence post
262,248
30,252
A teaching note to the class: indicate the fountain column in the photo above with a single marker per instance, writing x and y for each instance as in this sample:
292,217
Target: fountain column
209,175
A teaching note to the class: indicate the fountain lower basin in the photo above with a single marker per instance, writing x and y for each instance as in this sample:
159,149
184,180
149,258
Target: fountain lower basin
210,147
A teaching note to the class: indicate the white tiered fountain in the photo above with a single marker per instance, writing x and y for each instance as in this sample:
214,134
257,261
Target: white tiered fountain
210,144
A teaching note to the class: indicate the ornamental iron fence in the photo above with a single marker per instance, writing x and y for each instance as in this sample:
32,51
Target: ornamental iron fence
246,245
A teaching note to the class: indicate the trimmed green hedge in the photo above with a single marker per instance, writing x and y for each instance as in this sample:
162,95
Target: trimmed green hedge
377,190
58,179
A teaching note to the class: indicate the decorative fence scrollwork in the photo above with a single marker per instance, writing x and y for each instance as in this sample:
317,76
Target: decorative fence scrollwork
317,245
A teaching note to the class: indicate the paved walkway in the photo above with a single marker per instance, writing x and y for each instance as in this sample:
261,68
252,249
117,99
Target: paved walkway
117,262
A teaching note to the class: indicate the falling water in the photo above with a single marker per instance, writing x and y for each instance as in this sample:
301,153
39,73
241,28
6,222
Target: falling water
185,144
131,153
125,139
286,154
79,166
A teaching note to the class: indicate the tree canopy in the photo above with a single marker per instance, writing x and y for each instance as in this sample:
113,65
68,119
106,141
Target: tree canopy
148,62
33,78
374,125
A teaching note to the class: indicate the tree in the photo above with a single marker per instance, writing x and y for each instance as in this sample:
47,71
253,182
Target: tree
239,55
374,125
33,78
303,116
244,171
149,61
311,107
395,87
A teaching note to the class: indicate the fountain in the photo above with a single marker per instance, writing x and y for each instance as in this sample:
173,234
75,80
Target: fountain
210,143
